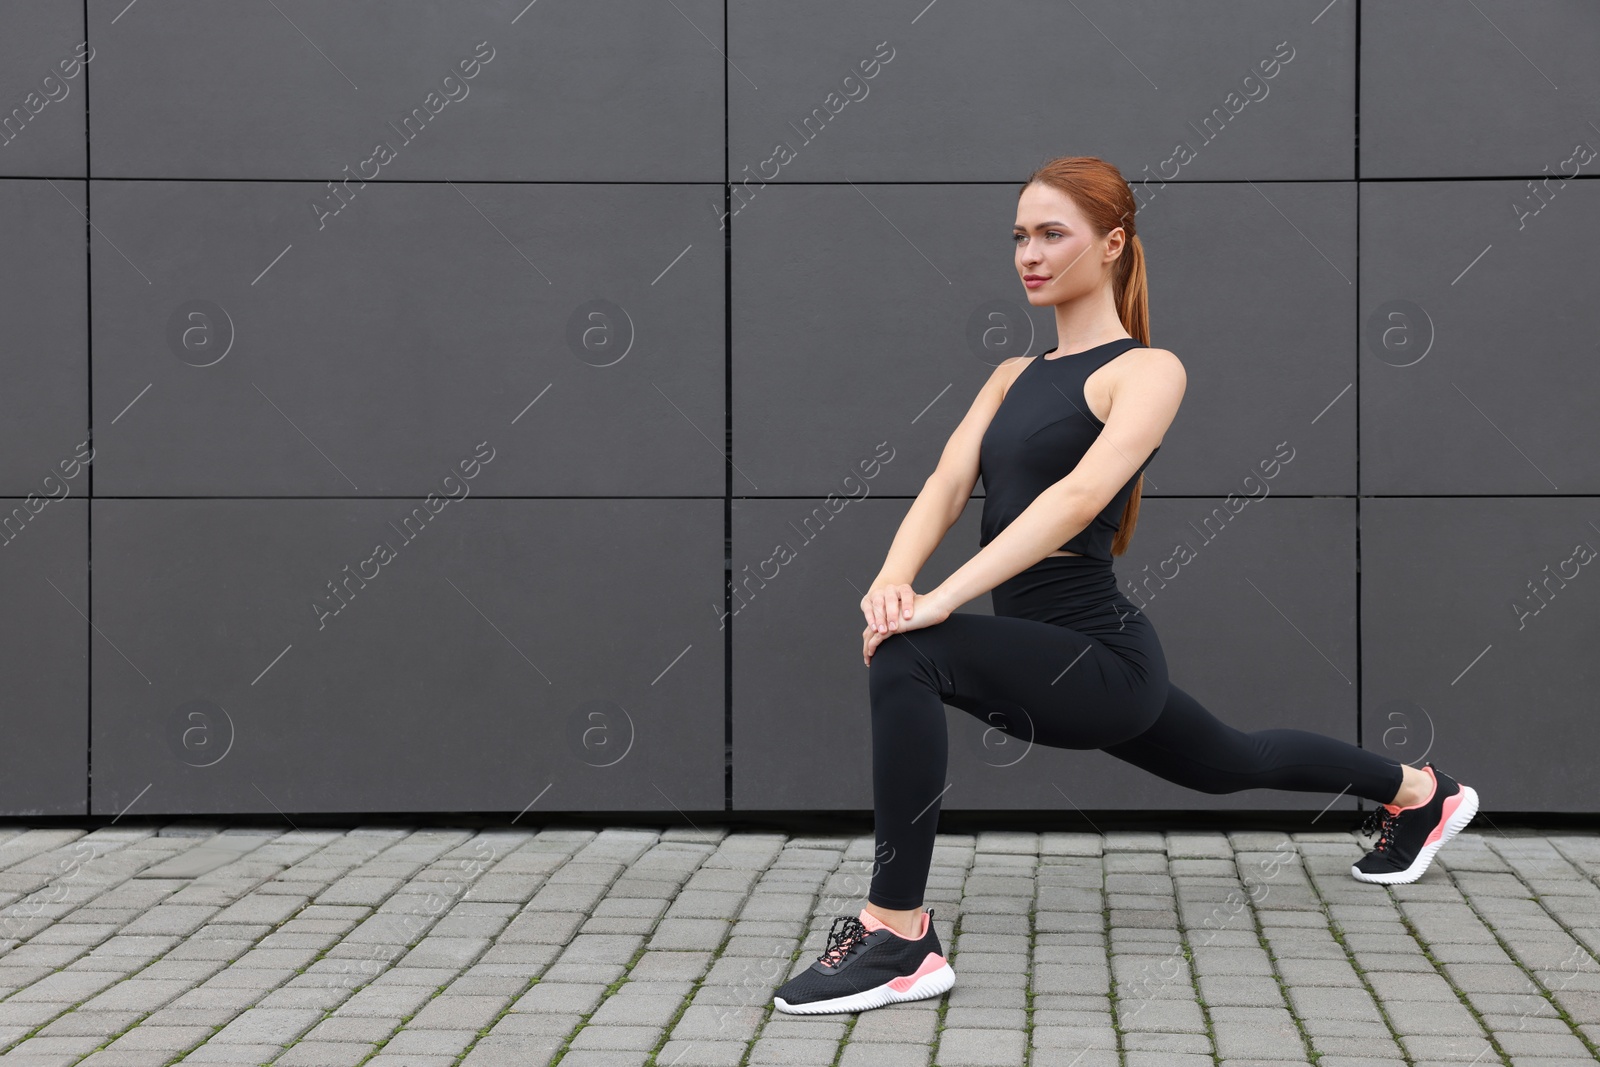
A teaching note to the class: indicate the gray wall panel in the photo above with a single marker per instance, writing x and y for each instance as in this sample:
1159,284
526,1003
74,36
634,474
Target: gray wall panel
44,655
984,92
1479,625
509,648
1477,91
1479,367
836,314
1259,625
608,90
44,364
280,360
45,59
707,284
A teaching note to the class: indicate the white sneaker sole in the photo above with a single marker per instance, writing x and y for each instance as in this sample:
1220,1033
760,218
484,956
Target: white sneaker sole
931,984
1458,819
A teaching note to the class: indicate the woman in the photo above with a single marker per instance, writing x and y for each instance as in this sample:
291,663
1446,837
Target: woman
1061,442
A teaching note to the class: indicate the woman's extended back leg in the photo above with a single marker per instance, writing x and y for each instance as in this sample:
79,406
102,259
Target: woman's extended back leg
1189,745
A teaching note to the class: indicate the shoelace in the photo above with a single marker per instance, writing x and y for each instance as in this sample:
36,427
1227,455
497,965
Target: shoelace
847,932
1382,821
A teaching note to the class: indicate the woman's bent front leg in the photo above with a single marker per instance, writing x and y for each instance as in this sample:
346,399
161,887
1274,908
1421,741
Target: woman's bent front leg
1043,683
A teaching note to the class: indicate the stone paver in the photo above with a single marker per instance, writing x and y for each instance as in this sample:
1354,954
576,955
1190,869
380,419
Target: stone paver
390,946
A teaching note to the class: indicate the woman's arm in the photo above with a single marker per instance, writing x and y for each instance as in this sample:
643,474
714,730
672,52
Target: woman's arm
932,513
943,498
1144,402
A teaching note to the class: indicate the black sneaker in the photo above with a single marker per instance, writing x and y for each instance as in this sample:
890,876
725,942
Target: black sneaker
868,965
1408,837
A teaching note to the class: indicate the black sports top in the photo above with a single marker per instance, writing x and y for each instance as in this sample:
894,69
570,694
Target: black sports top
1038,434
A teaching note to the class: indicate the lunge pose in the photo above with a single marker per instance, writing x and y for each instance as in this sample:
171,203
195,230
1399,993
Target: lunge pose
1061,441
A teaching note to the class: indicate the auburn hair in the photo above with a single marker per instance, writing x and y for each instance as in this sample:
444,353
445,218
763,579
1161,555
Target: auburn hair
1106,200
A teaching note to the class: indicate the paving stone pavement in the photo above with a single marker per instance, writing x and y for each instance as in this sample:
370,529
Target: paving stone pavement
631,946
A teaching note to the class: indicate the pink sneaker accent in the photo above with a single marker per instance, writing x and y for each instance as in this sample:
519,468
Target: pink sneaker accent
1450,806
1429,772
872,922
930,964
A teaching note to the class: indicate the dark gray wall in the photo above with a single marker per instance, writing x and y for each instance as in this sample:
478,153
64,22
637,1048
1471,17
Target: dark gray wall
423,493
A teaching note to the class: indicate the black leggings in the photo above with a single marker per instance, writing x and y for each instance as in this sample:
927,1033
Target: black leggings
1065,661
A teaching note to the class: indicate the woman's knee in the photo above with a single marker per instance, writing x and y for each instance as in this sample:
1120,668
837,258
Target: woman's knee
895,654
898,661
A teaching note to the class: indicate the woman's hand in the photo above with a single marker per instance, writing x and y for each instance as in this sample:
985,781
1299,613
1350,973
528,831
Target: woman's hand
918,610
886,604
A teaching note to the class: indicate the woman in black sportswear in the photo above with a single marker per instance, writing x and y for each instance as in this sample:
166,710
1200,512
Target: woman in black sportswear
1066,660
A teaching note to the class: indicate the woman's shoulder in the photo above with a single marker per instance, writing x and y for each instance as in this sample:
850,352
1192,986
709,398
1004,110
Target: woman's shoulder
1156,360
1149,371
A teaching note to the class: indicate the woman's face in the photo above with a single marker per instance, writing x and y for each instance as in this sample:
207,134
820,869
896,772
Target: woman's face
1055,243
